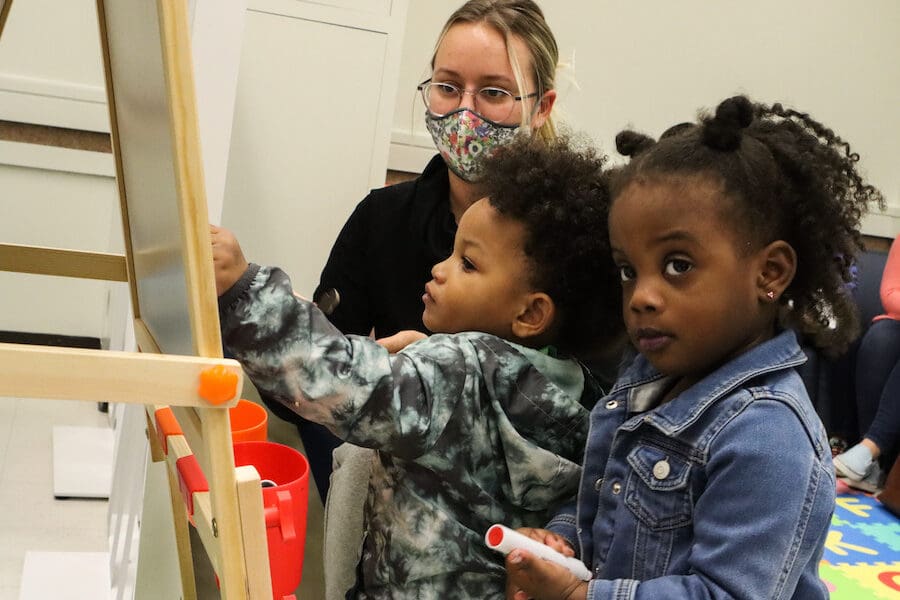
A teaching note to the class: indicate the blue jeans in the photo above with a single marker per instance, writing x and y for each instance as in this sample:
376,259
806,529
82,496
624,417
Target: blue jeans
878,386
319,444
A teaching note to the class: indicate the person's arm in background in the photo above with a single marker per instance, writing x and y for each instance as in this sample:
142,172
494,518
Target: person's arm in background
890,282
400,340
346,272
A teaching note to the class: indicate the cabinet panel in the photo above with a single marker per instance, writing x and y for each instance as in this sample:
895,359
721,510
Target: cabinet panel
372,15
370,6
304,139
58,209
50,67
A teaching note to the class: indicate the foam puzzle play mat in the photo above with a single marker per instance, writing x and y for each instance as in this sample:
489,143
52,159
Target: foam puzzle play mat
862,553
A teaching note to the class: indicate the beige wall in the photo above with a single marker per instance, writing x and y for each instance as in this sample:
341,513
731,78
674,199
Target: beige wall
652,63
641,63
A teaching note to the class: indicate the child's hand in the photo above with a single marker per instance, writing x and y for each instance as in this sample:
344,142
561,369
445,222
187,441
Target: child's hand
548,538
400,340
530,577
228,260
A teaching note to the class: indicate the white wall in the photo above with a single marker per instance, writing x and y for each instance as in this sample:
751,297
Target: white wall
312,125
651,63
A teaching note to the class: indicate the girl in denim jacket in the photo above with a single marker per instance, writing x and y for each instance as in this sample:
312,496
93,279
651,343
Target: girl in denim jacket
707,474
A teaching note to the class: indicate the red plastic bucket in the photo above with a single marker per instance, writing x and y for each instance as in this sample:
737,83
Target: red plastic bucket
285,506
249,422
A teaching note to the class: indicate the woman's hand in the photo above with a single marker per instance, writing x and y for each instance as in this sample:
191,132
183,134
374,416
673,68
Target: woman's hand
228,259
400,340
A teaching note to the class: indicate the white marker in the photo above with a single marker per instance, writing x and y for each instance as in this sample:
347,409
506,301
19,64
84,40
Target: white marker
505,540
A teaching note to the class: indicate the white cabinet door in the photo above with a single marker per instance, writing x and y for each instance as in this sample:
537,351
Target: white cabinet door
46,200
311,132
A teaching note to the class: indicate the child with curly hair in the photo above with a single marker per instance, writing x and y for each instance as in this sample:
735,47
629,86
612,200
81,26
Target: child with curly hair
707,472
484,421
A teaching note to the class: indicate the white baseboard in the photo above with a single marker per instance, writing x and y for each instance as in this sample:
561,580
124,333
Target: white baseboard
51,158
886,224
53,102
410,152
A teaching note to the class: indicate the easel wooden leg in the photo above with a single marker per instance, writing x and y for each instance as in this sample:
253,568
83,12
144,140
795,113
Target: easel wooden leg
182,540
157,575
179,517
253,530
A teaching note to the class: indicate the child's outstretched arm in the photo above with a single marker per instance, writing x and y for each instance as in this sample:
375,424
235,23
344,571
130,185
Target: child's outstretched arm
228,258
350,384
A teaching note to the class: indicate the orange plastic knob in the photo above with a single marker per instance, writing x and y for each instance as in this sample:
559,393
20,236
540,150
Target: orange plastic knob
217,385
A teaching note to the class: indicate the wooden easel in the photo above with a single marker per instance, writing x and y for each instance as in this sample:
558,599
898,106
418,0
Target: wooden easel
196,386
4,12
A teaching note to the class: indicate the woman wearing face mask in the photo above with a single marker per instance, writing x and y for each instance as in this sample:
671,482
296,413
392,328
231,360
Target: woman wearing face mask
492,77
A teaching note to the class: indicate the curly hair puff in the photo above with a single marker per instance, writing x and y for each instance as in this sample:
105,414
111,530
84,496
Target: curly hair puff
560,194
790,178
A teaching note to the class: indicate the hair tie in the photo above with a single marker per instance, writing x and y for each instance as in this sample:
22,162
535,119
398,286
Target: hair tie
723,131
631,143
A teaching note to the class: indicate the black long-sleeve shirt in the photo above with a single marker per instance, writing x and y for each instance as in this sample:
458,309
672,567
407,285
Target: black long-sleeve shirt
383,256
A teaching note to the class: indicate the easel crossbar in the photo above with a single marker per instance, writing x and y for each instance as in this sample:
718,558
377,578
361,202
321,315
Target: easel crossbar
55,373
38,260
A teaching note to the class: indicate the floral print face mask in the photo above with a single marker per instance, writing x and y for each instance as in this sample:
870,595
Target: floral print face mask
463,137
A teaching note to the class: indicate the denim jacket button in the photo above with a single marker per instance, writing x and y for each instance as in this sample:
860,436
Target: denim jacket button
598,484
616,487
612,404
661,469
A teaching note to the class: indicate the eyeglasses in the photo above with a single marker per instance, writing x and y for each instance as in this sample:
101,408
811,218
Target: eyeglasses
494,103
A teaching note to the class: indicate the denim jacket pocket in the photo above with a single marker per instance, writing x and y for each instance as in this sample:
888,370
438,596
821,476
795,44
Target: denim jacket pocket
658,491
658,494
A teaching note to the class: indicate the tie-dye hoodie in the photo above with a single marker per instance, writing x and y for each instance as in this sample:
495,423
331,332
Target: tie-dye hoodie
470,430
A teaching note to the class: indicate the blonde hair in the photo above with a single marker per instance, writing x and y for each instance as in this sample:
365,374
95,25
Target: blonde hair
525,20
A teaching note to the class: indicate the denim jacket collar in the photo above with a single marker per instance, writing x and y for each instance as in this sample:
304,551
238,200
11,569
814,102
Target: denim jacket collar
642,381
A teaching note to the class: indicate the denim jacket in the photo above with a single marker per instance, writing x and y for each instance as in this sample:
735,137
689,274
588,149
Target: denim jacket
725,491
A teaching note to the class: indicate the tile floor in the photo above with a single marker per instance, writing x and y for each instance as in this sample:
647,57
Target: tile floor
30,517
32,520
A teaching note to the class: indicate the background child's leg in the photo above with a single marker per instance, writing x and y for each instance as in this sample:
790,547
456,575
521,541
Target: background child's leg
879,411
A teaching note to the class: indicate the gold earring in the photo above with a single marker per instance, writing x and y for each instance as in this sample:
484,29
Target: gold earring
770,295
